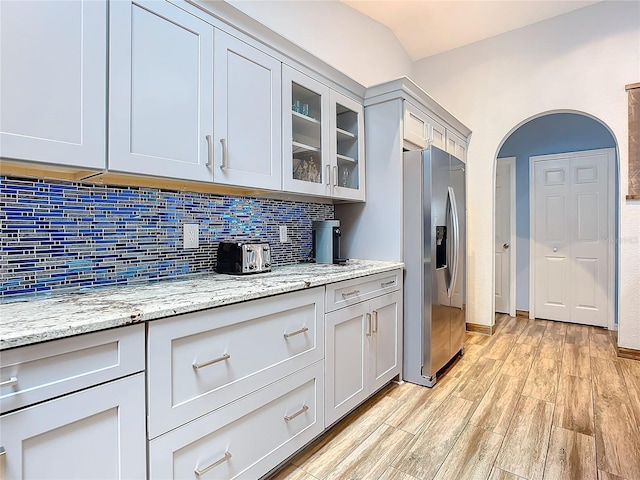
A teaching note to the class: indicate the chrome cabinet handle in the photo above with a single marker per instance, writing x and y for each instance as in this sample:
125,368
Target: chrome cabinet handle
335,176
375,321
294,415
368,332
387,284
10,382
297,332
226,457
328,175
209,151
350,294
223,142
222,358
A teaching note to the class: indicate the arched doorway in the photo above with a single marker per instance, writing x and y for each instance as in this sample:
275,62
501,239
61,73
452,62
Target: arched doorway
545,134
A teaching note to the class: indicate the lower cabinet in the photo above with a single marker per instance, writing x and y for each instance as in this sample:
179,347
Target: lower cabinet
96,433
362,352
248,437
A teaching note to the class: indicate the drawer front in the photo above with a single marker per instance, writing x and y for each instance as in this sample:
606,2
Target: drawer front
38,372
201,361
247,438
341,294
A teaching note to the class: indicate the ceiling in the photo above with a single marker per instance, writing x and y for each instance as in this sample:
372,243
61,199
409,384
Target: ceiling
429,27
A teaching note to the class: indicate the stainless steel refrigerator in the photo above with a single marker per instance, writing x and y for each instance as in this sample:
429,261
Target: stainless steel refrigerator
434,255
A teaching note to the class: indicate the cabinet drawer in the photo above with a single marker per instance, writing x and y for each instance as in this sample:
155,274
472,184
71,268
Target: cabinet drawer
247,438
345,293
38,372
201,361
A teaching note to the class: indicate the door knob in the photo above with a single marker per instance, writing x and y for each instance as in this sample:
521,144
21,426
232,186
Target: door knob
505,245
555,249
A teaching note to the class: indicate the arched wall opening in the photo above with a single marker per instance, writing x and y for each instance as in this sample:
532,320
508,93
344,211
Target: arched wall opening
550,133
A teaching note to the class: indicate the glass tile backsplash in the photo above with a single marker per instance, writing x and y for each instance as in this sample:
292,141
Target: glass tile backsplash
58,235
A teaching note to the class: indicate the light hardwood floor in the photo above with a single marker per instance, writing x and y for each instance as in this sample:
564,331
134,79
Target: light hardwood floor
537,400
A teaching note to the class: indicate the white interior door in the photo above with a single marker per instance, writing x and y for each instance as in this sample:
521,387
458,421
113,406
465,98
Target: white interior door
572,220
504,236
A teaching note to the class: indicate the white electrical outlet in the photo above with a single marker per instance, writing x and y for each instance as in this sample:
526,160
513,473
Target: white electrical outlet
190,235
283,233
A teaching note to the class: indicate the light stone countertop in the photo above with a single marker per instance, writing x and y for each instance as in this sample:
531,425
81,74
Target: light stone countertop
37,319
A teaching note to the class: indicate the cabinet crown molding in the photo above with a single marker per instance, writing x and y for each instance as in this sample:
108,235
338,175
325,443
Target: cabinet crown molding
406,89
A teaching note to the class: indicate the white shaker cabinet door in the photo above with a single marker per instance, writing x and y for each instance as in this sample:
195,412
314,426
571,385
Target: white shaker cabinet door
247,115
97,433
53,81
386,338
346,360
160,91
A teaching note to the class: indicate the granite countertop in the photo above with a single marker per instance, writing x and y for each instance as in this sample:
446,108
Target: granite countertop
35,320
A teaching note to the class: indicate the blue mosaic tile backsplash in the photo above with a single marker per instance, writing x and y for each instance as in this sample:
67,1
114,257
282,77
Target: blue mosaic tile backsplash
57,235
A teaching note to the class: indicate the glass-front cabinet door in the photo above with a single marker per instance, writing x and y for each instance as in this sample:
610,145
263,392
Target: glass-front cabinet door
305,113
347,148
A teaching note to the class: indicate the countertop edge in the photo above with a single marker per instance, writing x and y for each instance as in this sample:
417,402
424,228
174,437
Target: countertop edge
132,316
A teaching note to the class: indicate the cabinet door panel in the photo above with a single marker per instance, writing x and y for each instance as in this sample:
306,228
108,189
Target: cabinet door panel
97,433
305,135
386,338
161,91
247,115
346,360
347,144
53,82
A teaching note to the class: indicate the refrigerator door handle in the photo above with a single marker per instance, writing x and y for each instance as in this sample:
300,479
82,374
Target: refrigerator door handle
455,247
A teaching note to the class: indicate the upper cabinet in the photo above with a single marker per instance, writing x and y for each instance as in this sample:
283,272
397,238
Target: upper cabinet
456,146
247,126
53,82
323,151
421,130
160,91
306,159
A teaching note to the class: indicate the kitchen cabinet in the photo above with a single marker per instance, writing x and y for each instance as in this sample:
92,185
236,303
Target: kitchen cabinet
363,340
201,361
347,142
323,132
248,437
247,115
421,130
53,76
456,146
53,427
160,91
306,160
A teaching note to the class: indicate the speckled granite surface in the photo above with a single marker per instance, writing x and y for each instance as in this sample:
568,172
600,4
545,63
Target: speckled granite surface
59,316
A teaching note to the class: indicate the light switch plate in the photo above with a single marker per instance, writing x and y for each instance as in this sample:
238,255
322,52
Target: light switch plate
283,233
190,236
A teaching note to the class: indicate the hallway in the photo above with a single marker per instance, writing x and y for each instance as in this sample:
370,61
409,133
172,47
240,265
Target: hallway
537,400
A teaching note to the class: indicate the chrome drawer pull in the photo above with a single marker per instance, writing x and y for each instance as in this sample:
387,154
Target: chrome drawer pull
387,284
199,472
350,294
297,332
10,382
224,357
299,412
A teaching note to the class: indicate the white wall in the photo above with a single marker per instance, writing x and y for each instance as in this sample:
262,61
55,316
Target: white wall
579,61
358,46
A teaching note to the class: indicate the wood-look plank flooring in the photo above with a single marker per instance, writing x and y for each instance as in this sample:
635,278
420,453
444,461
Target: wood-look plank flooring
538,400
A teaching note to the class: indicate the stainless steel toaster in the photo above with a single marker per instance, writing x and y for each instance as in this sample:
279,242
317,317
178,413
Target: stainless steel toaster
243,257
